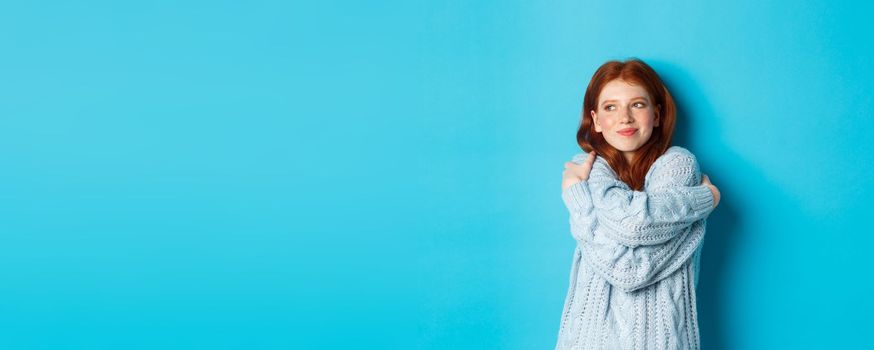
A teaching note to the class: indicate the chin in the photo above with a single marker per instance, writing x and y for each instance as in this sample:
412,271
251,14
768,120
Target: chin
625,147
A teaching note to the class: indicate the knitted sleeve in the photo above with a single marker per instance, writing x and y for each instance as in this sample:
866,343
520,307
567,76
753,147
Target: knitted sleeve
624,262
673,200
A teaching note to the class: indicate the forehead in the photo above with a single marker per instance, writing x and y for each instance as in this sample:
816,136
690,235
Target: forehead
622,90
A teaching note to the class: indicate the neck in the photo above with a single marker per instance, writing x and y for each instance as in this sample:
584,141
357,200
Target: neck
629,156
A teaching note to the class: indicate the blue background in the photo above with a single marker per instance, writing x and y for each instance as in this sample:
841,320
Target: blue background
229,174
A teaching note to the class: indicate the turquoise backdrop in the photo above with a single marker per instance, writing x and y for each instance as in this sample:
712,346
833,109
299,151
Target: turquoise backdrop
386,175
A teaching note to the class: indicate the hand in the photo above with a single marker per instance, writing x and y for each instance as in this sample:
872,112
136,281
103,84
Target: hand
705,180
574,173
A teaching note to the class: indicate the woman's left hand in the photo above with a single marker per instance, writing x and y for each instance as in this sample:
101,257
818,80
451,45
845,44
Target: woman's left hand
574,173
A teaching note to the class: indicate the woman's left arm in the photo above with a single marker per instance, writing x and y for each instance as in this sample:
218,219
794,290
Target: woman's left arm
626,267
673,200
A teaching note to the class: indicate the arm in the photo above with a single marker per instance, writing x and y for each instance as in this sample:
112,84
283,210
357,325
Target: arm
582,216
626,267
632,266
673,200
631,269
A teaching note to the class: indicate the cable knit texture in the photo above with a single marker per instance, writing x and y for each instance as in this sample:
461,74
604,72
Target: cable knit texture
635,265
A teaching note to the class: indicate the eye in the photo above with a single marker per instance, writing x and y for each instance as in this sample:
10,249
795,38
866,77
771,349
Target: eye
609,107
640,104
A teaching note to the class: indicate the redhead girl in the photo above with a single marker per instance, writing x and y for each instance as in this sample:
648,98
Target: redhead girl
638,209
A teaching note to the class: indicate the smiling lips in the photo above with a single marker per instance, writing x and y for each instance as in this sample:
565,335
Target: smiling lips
627,131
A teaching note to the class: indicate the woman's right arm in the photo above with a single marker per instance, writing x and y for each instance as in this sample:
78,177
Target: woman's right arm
626,267
673,200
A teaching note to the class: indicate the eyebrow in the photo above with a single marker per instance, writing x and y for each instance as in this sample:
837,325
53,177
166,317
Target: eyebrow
635,98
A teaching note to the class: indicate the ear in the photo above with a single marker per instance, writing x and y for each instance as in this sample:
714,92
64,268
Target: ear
595,119
656,123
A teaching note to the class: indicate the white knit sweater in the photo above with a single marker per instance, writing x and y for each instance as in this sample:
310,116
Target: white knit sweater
635,266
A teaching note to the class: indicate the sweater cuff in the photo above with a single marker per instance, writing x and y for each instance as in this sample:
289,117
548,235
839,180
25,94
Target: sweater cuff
576,197
703,198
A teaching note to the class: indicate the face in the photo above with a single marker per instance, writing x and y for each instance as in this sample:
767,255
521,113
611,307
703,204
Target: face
625,116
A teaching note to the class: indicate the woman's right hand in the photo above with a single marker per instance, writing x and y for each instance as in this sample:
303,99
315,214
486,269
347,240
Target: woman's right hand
575,173
705,180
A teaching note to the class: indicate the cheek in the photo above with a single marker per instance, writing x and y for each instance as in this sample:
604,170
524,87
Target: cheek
646,118
607,120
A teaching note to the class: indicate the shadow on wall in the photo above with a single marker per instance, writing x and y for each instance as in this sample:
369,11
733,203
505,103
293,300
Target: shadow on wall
725,225
734,231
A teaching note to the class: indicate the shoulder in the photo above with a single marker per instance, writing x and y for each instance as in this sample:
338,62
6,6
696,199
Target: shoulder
579,157
676,165
676,156
599,167
678,151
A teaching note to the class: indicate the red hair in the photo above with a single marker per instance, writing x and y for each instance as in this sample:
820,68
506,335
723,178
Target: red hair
637,72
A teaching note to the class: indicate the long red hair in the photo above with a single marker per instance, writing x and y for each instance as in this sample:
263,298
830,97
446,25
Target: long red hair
637,72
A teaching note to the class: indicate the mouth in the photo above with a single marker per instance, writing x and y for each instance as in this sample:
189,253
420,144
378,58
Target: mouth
627,132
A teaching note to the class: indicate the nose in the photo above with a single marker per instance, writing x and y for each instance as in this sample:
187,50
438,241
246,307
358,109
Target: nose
627,117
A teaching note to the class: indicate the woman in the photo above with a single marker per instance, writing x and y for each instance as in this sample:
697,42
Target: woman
637,211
